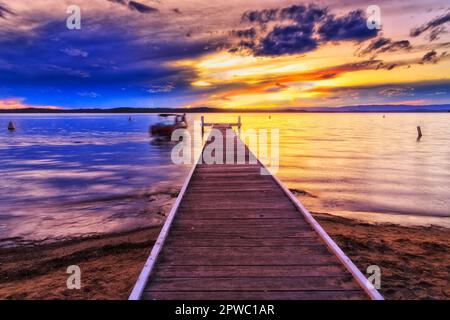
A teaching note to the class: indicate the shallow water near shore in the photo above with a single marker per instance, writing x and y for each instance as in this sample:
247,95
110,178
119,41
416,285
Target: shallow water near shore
70,175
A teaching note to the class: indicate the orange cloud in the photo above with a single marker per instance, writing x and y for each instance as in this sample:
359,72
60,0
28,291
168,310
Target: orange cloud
18,103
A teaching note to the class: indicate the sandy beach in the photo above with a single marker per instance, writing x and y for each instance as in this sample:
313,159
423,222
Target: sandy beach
415,261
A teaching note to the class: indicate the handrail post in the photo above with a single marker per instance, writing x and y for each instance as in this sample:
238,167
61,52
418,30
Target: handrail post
239,125
203,125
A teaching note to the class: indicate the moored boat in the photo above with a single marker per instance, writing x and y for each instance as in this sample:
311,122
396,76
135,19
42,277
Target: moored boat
169,123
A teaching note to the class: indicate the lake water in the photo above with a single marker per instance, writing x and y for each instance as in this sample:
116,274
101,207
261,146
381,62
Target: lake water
357,165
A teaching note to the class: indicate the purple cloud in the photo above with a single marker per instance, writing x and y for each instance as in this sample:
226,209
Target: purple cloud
4,11
435,26
298,29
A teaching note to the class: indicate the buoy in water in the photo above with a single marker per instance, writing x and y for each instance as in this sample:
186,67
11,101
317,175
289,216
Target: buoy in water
11,126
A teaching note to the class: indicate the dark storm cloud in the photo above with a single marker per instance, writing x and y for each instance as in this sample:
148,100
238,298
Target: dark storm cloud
352,26
123,2
287,40
381,45
4,11
105,55
142,8
430,57
303,14
246,33
298,29
135,6
435,26
262,16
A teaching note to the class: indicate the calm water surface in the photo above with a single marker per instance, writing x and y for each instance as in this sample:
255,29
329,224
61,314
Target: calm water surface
368,166
57,170
358,165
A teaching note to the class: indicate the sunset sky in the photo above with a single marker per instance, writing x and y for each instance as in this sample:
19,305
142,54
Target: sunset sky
226,54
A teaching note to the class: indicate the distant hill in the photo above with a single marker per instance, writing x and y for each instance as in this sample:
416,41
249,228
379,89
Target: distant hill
385,108
359,108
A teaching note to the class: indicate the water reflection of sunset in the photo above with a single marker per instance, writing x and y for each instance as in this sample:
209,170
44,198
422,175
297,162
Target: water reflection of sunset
343,166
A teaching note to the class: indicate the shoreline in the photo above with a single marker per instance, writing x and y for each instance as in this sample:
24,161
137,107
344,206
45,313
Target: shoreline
414,261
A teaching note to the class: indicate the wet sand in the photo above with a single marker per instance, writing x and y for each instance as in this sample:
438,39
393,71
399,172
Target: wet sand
109,267
414,261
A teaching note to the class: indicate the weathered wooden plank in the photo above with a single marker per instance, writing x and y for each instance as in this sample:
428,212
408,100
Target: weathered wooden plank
255,295
272,258
254,284
224,192
227,185
241,231
254,252
230,204
231,174
229,190
241,225
240,242
291,222
248,271
245,197
234,169
257,234
221,213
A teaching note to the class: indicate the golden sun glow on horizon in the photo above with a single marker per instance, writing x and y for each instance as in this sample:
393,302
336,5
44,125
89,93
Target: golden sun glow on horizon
313,79
18,103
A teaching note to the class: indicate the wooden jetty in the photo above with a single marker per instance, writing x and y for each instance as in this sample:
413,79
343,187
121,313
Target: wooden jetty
234,234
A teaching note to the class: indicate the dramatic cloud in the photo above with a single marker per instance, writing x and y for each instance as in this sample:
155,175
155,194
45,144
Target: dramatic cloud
435,26
298,29
382,45
352,26
4,11
287,40
430,57
397,92
247,33
135,6
262,17
142,8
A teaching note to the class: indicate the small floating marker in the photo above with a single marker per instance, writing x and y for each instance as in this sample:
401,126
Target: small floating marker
11,126
419,133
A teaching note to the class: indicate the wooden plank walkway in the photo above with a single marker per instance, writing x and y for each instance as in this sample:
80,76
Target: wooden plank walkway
236,234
